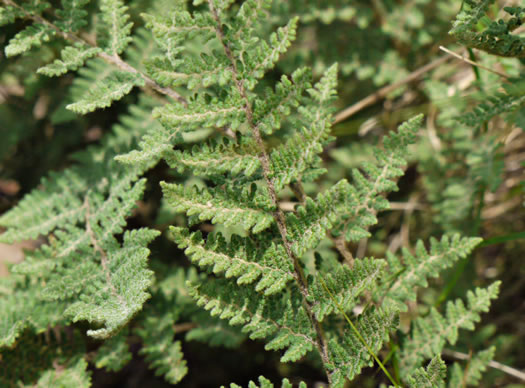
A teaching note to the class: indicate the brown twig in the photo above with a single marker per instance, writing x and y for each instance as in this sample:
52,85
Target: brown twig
464,59
383,92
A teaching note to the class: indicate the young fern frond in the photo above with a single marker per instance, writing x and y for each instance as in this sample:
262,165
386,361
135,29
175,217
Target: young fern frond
431,377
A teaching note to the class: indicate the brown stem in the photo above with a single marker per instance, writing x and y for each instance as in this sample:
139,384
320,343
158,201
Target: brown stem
278,214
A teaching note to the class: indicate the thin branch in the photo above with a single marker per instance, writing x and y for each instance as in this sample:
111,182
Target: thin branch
383,92
493,364
464,59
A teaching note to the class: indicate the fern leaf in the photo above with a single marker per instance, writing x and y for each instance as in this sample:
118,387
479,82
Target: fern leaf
430,334
345,285
265,383
247,208
348,355
472,373
289,161
200,113
114,353
405,277
72,15
105,92
121,282
217,158
114,29
270,111
431,377
160,350
279,318
308,226
72,57
380,179
31,36
9,13
239,258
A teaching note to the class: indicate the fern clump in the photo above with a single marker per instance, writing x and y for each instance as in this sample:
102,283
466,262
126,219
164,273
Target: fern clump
236,151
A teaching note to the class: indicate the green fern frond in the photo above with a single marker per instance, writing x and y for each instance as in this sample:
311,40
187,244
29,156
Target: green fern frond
160,350
114,353
72,15
345,285
348,355
265,383
72,57
247,207
472,373
289,161
31,36
405,276
105,92
497,37
380,178
241,258
308,225
217,158
431,377
280,319
114,31
430,334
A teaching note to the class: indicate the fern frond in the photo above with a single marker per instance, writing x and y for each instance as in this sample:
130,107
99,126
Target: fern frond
497,37
280,319
289,161
472,373
430,334
160,350
105,92
247,207
431,377
32,36
348,355
345,285
265,383
240,258
72,15
114,353
380,178
72,57
412,272
114,31
270,111
308,225
217,158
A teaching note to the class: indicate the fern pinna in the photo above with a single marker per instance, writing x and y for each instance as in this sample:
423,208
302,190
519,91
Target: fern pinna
257,271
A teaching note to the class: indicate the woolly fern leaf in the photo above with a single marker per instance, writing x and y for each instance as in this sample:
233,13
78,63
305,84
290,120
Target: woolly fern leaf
72,57
345,285
103,93
279,318
405,276
114,30
31,36
114,353
348,355
431,377
265,383
289,161
430,334
217,158
472,374
241,258
247,207
72,15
